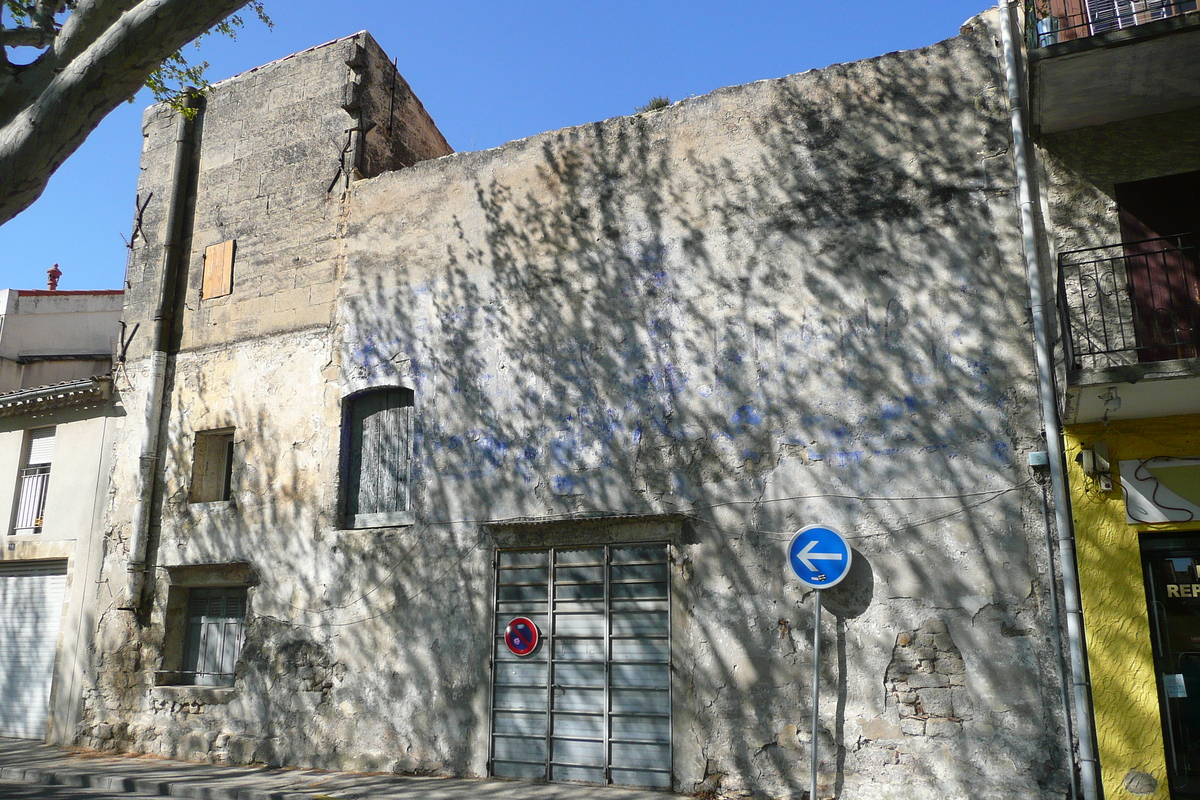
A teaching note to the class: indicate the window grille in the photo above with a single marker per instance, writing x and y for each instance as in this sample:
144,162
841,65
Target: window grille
34,481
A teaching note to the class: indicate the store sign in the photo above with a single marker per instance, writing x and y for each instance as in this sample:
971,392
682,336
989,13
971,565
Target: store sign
1161,490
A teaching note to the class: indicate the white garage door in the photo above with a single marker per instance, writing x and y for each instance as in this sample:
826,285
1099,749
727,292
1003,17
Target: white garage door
31,602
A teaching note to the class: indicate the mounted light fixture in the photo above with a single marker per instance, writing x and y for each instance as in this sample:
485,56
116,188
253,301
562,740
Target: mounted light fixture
1096,464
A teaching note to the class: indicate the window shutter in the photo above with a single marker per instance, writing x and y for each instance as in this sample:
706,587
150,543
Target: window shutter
380,452
218,270
41,447
215,634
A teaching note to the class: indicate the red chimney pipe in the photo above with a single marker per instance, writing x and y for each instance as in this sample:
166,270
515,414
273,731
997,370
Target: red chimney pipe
52,276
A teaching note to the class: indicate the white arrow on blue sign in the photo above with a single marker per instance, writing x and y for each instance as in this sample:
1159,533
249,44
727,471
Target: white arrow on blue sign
819,556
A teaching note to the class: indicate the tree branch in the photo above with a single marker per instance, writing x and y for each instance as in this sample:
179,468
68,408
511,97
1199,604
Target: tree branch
87,23
26,37
43,14
53,122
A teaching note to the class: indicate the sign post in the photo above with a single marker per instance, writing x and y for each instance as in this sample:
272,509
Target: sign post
819,557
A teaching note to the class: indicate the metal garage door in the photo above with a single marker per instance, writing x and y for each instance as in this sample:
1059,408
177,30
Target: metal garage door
31,601
593,702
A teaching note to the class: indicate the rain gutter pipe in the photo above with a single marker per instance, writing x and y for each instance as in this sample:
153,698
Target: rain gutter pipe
164,318
1050,420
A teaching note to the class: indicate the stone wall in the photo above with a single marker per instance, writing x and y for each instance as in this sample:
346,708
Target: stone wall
796,301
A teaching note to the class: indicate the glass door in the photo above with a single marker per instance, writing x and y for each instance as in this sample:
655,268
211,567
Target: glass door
1172,571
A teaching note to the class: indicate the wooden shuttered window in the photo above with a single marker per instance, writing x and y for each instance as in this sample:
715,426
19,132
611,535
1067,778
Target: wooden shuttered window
212,466
218,270
215,633
378,453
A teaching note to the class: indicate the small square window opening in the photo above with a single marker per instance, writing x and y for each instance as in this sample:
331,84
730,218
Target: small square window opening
212,466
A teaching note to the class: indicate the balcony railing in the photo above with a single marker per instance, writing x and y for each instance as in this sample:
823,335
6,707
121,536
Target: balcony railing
1064,20
1130,303
31,503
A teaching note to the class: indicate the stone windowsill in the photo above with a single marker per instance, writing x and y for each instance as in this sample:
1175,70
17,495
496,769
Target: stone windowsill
384,519
208,695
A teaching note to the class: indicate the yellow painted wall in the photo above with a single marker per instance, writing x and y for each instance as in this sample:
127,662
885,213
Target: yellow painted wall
1116,620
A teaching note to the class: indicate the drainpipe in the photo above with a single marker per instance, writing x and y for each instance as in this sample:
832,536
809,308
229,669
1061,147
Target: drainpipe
164,318
1050,421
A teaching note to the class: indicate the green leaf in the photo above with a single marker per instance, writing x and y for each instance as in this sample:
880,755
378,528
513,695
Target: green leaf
177,77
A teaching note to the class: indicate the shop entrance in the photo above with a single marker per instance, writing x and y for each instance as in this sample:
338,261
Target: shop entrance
1172,570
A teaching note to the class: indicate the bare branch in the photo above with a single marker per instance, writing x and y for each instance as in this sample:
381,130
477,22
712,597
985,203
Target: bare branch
26,37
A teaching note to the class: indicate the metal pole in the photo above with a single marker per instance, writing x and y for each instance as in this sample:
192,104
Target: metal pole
816,699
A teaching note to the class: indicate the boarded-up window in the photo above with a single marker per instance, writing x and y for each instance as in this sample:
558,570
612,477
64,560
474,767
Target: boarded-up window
377,453
218,270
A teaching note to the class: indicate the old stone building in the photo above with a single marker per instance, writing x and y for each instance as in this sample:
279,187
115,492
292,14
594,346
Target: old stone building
396,398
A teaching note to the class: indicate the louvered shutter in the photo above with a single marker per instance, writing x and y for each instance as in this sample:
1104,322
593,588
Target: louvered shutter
41,447
31,601
216,627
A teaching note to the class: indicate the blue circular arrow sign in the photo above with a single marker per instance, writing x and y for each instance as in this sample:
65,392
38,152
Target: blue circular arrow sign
819,556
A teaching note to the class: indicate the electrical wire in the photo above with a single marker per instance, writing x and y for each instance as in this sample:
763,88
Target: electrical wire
986,497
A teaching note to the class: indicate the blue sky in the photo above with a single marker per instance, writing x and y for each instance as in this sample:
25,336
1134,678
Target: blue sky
488,73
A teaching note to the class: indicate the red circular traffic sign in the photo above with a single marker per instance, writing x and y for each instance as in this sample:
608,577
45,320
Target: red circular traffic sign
521,636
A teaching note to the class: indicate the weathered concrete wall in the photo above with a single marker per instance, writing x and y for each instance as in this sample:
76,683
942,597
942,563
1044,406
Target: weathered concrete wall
271,166
792,301
42,323
276,147
799,300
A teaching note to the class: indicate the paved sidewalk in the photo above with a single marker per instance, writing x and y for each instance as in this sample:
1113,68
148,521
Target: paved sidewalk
24,761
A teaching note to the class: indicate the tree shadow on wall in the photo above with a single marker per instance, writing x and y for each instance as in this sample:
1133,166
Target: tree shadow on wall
796,301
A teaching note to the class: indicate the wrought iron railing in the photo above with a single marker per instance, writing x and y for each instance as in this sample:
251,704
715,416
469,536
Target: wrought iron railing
1054,21
31,503
1130,303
